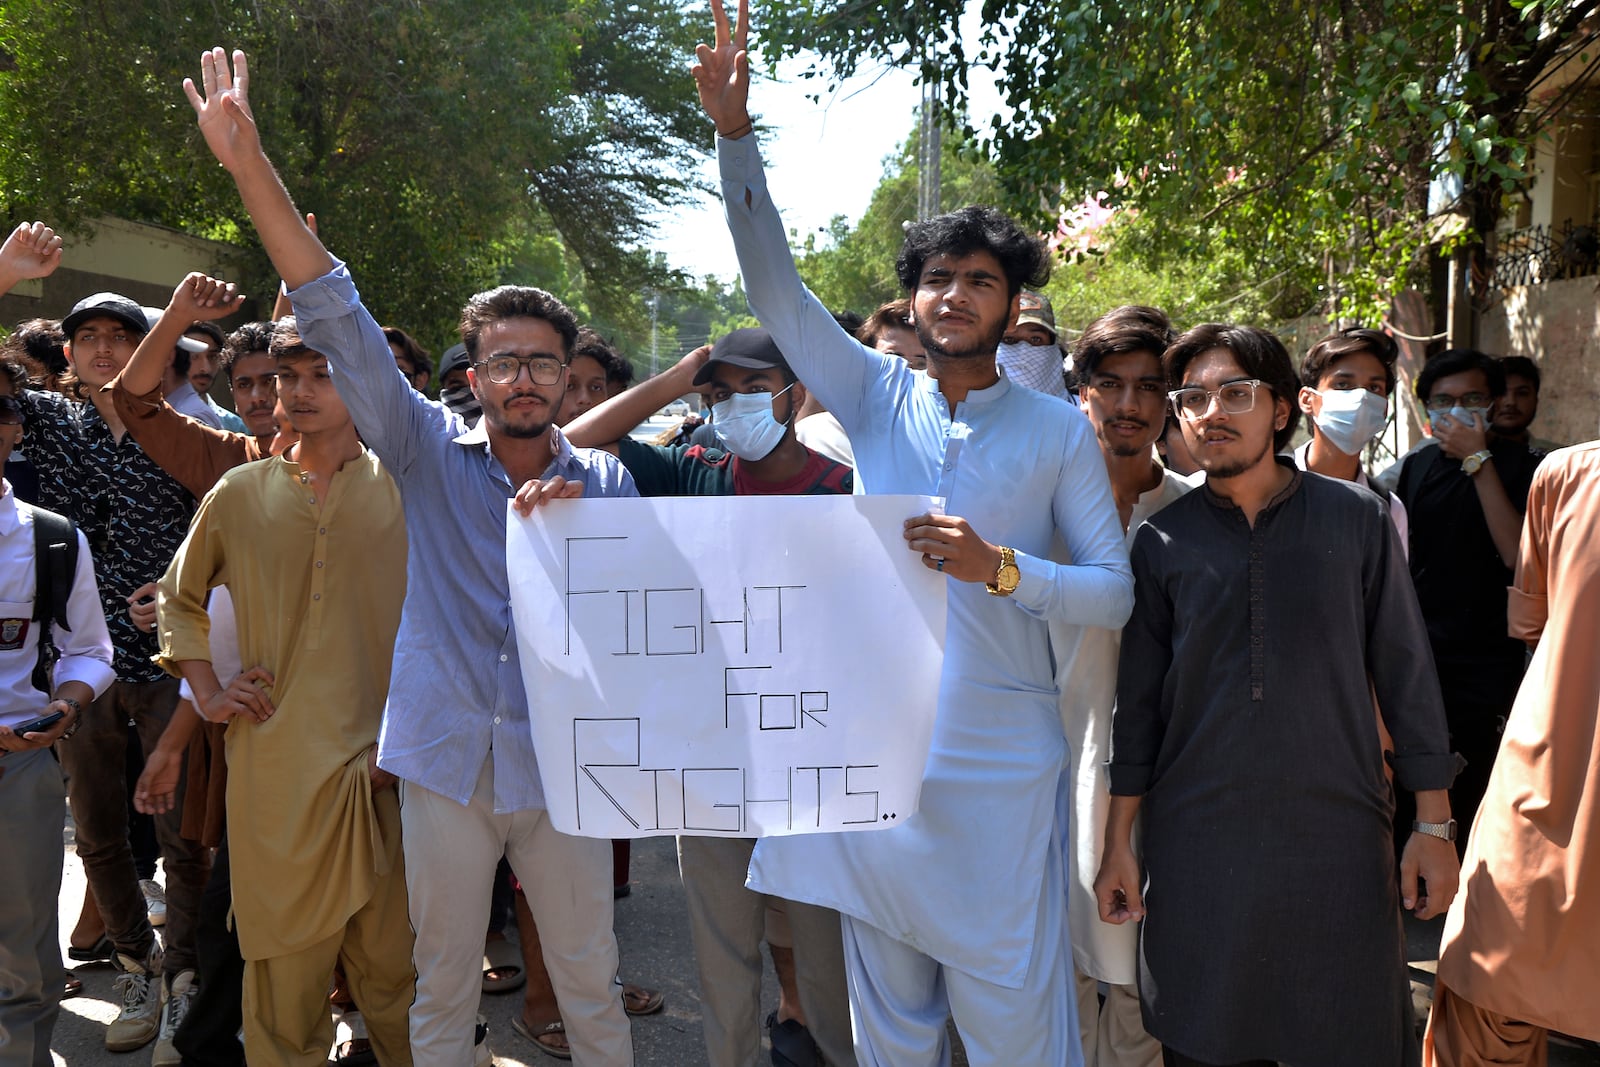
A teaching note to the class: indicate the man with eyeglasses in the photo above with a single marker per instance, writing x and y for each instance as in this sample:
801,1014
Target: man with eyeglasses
455,729
1465,500
1123,391
1269,606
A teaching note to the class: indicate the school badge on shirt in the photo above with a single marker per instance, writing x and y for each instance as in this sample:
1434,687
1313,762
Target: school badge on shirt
13,632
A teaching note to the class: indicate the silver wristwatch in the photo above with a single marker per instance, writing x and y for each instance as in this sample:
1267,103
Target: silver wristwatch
1444,831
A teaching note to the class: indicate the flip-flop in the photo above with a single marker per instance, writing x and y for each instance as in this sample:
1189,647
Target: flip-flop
502,967
538,1039
637,1000
99,952
792,1044
73,987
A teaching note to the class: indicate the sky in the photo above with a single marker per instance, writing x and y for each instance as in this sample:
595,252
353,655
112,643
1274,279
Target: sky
823,159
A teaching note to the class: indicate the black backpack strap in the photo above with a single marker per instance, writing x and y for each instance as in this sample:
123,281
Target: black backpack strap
55,563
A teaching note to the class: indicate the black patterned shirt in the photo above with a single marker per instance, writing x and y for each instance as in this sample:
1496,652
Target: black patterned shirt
132,513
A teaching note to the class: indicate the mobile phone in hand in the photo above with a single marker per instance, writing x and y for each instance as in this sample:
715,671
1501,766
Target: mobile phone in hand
39,725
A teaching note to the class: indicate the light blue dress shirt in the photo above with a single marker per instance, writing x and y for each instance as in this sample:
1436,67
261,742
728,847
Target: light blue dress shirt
456,695
962,879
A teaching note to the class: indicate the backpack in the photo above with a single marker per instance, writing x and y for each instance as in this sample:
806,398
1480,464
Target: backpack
55,562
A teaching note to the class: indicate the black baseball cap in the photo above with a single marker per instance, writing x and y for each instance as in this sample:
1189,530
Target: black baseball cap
455,356
106,305
752,347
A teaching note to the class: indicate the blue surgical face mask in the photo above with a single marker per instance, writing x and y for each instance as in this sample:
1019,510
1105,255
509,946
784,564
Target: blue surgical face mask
1351,417
1464,416
745,426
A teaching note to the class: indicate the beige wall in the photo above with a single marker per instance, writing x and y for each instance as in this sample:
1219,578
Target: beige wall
141,262
1558,325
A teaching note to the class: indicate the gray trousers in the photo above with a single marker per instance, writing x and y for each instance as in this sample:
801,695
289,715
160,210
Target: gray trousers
31,854
95,759
727,922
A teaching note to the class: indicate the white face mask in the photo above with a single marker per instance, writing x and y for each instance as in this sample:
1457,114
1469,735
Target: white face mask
1351,417
745,426
1464,416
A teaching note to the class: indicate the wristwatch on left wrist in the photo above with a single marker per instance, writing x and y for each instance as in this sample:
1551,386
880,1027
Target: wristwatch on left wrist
1007,577
1474,463
77,717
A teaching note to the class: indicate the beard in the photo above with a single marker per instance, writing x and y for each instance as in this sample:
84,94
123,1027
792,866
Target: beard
1232,469
984,347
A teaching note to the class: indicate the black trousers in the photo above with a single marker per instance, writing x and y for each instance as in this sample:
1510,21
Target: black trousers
209,1034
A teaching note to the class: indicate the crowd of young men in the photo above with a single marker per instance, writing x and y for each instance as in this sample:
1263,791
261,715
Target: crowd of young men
1199,741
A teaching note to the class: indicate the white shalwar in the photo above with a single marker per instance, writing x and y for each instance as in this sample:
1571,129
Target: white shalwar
962,906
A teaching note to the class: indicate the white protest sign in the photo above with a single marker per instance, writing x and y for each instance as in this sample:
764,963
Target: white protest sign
727,666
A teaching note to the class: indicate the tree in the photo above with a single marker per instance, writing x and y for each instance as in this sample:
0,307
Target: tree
1304,137
428,137
853,269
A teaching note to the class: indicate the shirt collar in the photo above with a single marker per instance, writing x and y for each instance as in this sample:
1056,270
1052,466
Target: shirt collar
987,395
9,519
1219,501
478,436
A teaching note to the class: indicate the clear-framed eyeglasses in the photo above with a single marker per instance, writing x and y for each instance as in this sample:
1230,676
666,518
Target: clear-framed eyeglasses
1234,398
503,370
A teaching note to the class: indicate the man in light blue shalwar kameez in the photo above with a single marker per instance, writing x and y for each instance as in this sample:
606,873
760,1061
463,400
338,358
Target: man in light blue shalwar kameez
961,910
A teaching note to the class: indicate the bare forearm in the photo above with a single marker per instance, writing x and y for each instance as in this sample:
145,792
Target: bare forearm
1505,523
1433,805
180,728
614,419
294,250
202,679
78,691
1120,817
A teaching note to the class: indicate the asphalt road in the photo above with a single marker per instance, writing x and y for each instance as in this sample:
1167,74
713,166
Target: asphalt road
653,933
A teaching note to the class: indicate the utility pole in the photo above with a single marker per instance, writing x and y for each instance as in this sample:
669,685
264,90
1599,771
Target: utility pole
930,145
655,308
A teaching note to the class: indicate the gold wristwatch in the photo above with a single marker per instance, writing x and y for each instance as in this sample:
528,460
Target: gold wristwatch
1474,463
1007,577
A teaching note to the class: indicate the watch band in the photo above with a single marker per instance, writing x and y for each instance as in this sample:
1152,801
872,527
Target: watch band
1444,831
77,717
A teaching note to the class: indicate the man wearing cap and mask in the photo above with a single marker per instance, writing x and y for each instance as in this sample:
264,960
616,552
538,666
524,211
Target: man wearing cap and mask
754,396
455,392
134,516
1029,353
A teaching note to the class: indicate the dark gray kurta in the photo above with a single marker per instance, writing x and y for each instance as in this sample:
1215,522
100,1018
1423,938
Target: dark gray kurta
1245,720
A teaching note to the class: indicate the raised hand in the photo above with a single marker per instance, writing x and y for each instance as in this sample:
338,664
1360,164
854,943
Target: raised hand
224,110
32,251
723,72
200,297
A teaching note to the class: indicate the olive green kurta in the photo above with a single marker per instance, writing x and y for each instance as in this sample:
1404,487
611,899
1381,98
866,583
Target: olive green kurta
317,591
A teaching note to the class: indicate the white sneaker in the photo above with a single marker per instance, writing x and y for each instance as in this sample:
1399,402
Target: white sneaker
155,901
140,990
176,996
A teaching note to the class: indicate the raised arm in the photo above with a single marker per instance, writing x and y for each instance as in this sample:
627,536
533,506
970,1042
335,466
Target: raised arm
389,414
612,420
844,375
31,251
222,107
197,298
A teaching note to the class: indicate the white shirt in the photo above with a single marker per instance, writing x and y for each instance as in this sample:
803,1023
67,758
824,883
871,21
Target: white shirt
1086,672
1397,510
186,401
224,641
85,650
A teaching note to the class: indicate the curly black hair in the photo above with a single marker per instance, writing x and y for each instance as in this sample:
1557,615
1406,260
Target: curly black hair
1022,255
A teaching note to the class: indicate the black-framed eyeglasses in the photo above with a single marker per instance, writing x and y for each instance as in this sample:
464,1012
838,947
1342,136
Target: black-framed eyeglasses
10,411
1444,401
1235,398
503,370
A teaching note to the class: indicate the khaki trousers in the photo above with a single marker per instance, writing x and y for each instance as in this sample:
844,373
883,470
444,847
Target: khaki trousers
287,1021
1113,1032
